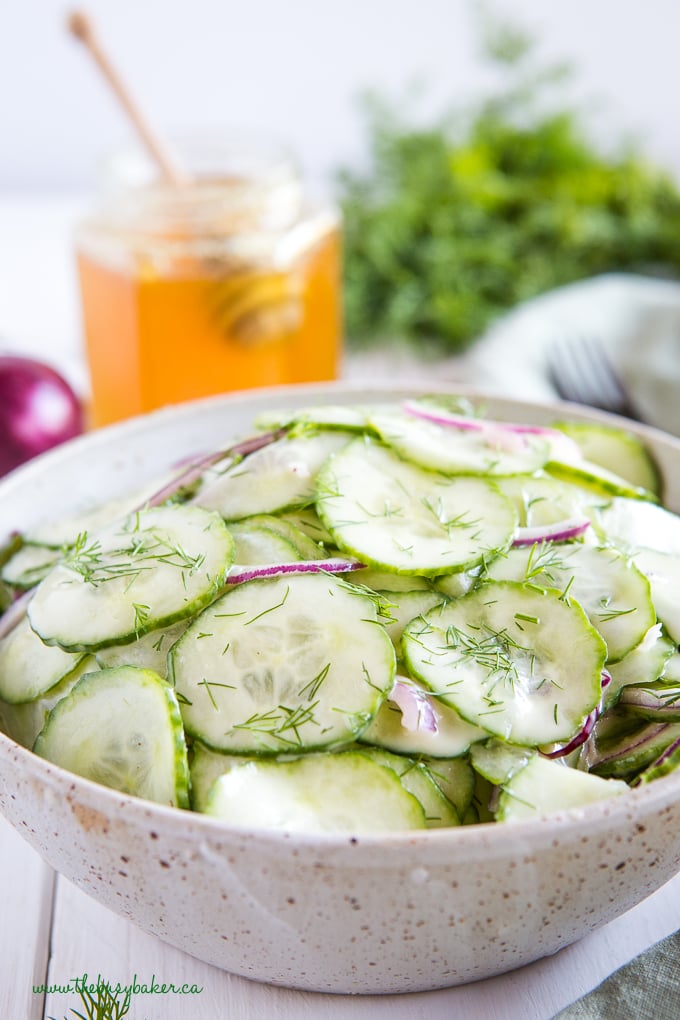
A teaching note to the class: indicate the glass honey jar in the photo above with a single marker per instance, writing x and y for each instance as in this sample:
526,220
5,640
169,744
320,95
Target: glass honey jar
227,281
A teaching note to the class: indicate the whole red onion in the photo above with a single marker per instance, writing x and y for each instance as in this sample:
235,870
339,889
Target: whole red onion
38,410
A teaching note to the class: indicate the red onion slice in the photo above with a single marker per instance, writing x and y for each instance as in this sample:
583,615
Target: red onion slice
563,447
559,531
584,733
416,708
238,574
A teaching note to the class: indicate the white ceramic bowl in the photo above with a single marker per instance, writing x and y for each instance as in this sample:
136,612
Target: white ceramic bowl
395,913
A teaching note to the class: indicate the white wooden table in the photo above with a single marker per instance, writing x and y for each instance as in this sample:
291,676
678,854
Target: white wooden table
52,934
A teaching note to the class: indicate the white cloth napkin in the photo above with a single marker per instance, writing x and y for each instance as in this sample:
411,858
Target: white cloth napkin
636,318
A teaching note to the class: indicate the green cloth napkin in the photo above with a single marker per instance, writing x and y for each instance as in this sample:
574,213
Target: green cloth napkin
647,988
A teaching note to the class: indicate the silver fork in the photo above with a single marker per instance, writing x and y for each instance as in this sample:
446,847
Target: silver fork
581,371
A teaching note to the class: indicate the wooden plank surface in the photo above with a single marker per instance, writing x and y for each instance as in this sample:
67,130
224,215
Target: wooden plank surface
26,893
87,938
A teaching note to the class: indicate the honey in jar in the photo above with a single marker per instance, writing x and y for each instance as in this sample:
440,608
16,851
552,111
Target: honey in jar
227,282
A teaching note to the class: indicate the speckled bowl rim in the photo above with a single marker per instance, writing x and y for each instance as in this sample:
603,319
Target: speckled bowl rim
460,841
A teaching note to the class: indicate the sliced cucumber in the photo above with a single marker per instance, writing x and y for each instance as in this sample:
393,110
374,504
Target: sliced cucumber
499,762
397,516
614,593
121,728
28,667
305,547
23,722
156,567
283,664
415,777
255,544
616,449
523,664
597,479
671,669
344,792
482,451
543,787
663,574
540,499
622,744
309,523
206,766
390,583
323,416
404,606
275,477
642,665
455,585
633,524
666,763
455,777
29,565
657,702
150,651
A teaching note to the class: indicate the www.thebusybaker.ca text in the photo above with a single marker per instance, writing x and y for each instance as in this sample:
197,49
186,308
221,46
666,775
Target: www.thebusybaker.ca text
134,987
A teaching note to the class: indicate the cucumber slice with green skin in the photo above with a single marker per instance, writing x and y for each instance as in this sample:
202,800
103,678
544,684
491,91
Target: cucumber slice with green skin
398,517
404,606
614,593
617,450
656,702
325,416
633,524
156,567
122,728
499,762
622,744
29,566
542,500
525,665
390,583
276,477
642,665
415,777
305,547
28,667
456,585
23,722
309,523
450,450
663,574
257,545
666,763
543,787
283,665
452,737
344,792
455,777
597,479
671,669
149,651
205,767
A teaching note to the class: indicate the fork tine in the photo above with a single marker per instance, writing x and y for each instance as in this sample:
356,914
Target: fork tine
581,371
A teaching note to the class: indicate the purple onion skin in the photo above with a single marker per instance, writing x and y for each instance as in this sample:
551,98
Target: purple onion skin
38,410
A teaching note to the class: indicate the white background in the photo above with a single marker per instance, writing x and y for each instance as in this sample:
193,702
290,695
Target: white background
296,67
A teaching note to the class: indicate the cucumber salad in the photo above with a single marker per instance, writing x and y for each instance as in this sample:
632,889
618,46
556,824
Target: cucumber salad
359,619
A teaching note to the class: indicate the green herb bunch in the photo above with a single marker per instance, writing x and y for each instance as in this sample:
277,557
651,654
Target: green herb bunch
459,222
